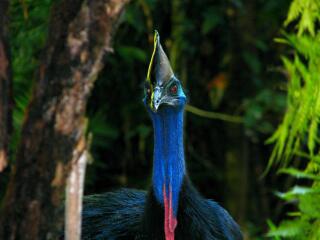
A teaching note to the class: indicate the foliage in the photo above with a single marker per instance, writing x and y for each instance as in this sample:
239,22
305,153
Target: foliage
27,35
28,31
297,137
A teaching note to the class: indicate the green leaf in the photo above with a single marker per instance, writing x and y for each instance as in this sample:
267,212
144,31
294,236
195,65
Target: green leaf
289,229
309,204
296,191
299,174
272,227
313,130
306,22
294,12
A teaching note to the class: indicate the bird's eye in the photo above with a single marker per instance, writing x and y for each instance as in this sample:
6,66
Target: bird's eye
174,89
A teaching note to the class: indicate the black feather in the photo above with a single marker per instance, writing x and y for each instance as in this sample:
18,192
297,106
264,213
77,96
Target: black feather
113,215
135,215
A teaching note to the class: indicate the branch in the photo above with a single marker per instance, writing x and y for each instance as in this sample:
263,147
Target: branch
214,115
74,193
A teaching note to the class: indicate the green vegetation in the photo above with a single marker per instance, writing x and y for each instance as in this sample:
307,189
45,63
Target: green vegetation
297,137
27,35
28,31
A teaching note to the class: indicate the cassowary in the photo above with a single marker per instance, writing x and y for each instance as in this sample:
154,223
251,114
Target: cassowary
172,209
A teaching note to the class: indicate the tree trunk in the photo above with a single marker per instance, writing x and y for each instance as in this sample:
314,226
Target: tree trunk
5,86
80,33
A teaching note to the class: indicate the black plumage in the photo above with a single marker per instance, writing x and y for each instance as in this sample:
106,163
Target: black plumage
113,215
130,214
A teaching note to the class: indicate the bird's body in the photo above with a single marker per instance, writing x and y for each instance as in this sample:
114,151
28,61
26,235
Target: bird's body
172,209
130,214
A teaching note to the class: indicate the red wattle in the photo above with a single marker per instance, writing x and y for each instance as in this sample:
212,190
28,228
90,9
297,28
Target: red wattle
170,221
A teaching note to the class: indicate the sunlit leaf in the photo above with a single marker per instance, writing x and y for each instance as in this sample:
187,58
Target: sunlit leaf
299,174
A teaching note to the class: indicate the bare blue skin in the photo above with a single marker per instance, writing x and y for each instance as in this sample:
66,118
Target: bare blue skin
168,163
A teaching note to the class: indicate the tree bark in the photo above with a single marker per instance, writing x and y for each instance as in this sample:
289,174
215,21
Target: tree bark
5,86
80,33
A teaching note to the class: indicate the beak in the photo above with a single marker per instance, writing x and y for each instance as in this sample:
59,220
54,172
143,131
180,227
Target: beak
159,72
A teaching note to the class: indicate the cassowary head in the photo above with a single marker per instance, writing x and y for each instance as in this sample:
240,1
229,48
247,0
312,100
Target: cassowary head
162,88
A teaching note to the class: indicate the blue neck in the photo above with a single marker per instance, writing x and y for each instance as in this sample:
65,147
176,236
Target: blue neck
168,162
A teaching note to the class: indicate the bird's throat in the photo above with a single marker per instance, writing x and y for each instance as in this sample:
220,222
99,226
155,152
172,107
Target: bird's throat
169,165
